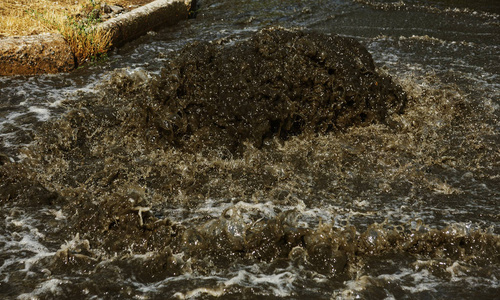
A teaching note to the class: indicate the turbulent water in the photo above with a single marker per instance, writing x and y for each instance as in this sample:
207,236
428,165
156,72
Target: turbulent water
263,150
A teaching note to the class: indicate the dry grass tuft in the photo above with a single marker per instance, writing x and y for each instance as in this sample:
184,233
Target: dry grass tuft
89,45
86,40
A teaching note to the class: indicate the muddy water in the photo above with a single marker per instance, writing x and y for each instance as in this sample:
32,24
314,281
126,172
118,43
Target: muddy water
217,159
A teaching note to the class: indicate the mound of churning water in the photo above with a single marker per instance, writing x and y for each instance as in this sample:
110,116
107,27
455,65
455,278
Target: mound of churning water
278,83
237,168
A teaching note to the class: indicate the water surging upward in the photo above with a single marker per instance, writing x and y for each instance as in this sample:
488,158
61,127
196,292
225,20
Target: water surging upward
256,168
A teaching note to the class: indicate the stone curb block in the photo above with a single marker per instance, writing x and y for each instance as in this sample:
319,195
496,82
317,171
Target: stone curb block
49,53
137,22
44,53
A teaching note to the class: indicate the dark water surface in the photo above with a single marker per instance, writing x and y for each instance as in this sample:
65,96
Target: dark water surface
251,154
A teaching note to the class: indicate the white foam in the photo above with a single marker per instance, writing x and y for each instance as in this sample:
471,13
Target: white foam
25,240
51,286
246,212
456,271
43,114
216,292
58,214
279,284
352,288
12,116
155,287
409,280
422,280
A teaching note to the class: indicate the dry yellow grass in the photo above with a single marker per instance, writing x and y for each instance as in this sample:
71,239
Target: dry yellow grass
44,16
85,40
16,17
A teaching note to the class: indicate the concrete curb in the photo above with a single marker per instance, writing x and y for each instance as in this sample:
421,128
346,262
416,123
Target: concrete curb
137,22
49,53
38,54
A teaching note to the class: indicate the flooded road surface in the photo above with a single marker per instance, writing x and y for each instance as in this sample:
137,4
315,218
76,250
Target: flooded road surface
263,150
